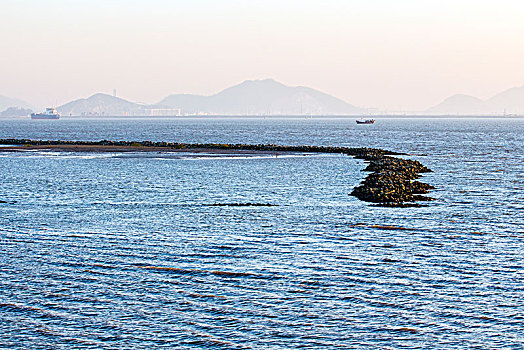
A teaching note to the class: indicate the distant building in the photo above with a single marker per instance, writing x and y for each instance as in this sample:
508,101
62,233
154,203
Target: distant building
164,112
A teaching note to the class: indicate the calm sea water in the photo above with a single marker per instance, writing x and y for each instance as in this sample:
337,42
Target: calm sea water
125,251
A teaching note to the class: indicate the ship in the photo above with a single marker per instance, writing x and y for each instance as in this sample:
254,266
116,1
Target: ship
367,121
50,113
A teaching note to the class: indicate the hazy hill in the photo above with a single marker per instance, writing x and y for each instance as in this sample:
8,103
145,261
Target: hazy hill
101,104
6,102
510,102
261,97
16,112
459,104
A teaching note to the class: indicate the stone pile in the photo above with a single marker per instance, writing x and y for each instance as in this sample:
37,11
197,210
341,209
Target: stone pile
391,182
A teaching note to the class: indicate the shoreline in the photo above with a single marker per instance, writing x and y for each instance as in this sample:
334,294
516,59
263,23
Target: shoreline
390,182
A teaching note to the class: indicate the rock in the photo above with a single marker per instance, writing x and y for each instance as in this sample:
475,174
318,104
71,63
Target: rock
390,182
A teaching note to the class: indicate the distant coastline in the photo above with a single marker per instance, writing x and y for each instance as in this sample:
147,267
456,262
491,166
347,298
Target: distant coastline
377,116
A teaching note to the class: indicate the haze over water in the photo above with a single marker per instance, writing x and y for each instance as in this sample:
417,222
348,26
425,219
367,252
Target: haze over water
127,251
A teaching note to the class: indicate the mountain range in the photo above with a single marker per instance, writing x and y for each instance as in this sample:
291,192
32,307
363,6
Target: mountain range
252,97
507,102
262,97
265,97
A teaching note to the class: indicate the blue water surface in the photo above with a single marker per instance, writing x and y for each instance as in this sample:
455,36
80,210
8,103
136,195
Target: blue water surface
112,250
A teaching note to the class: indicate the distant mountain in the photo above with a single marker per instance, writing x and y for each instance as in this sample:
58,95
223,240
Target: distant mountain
6,102
101,105
510,102
262,97
459,104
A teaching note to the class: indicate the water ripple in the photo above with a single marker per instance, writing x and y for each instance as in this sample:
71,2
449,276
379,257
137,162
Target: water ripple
120,251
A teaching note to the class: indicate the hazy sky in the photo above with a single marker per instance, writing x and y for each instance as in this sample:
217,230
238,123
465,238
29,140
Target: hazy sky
403,54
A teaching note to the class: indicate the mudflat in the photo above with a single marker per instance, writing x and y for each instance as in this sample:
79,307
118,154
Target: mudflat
141,148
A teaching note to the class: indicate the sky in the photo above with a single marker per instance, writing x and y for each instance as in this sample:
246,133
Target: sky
392,55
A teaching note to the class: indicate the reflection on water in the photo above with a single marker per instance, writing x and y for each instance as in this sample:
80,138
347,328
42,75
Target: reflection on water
126,251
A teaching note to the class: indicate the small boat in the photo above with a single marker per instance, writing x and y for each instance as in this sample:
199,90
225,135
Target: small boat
367,121
50,113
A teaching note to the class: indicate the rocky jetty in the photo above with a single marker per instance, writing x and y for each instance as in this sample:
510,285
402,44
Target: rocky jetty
391,181
359,152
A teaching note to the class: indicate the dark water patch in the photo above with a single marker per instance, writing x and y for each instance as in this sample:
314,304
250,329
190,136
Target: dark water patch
16,307
381,227
185,271
405,329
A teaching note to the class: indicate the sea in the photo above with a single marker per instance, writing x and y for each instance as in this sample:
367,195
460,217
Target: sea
146,250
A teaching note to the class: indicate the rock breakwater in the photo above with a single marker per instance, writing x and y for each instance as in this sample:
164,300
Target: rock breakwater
391,181
168,146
